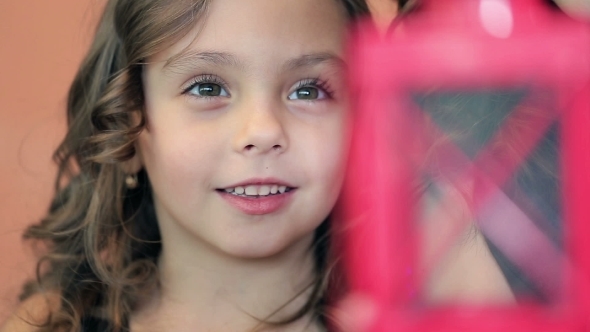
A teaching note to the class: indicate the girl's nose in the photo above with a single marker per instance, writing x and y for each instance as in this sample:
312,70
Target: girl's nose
261,130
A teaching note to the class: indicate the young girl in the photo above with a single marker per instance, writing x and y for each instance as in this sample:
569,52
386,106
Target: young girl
204,153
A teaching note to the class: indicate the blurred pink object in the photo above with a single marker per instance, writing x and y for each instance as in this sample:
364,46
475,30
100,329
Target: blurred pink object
465,45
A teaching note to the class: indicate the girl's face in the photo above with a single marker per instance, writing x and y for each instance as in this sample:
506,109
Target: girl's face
245,141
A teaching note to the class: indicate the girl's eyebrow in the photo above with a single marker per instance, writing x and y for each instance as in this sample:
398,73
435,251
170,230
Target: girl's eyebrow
313,59
188,59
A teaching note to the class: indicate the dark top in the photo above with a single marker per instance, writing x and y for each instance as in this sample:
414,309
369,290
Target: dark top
92,324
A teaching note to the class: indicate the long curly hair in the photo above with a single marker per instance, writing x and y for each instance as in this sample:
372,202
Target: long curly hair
100,239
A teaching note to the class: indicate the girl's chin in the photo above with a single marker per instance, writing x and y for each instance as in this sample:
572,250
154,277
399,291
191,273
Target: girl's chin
264,247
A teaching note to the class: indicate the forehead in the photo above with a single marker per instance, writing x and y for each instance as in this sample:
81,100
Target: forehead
254,28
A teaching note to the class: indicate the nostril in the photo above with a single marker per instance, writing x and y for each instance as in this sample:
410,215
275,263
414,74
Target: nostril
250,147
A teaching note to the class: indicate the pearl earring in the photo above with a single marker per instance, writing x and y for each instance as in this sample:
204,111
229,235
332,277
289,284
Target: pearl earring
131,181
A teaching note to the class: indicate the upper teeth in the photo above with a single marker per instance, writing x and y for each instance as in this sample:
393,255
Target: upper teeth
257,190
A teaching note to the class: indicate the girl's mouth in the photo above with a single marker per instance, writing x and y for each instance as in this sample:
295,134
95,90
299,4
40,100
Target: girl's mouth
258,199
256,191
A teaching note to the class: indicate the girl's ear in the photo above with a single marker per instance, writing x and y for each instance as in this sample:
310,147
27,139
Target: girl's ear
135,164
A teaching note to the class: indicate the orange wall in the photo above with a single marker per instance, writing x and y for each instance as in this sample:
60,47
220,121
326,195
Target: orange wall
41,44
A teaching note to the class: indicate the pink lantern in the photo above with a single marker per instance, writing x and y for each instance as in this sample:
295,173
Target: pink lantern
532,65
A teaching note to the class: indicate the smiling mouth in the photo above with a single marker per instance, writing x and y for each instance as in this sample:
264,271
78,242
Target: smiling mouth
257,191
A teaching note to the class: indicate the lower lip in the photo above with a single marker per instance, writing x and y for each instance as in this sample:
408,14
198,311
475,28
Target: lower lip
258,205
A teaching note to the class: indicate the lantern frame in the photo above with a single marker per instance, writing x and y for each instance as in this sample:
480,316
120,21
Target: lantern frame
447,46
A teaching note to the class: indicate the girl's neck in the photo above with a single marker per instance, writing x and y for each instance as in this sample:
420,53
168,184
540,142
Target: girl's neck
204,289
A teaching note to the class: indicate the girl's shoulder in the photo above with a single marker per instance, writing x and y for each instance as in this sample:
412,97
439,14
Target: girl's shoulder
32,313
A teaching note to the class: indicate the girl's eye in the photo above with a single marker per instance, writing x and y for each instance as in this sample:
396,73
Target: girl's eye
307,93
313,89
206,86
208,90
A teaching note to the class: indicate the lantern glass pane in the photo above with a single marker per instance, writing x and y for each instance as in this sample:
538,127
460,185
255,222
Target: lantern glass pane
489,217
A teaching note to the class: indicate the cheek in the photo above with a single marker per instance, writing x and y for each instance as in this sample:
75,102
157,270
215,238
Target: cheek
335,161
328,148
174,160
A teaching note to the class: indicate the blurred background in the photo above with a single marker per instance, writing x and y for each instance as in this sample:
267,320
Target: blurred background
41,44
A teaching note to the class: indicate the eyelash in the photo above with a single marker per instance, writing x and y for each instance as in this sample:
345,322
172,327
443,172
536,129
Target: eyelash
316,83
202,79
